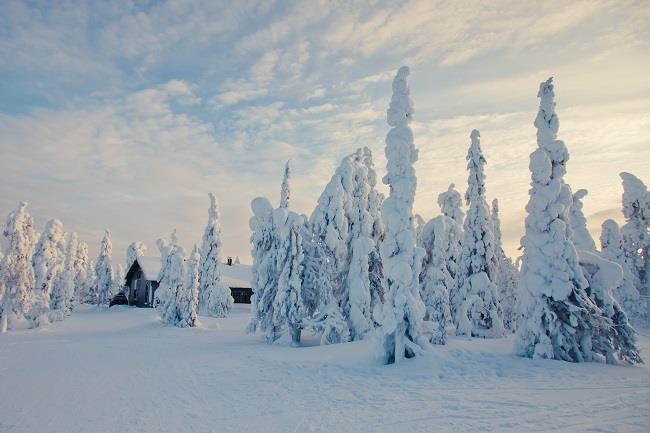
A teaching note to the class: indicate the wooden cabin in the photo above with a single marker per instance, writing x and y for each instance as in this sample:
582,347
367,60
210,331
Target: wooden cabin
141,281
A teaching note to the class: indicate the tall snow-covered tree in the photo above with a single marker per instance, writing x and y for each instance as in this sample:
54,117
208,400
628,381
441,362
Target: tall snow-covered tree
162,293
214,296
450,203
48,261
118,282
507,274
104,281
319,272
173,283
347,221
288,309
480,313
264,270
611,244
133,251
580,235
82,270
190,300
435,279
285,191
402,316
64,305
617,340
17,271
278,309
557,314
635,231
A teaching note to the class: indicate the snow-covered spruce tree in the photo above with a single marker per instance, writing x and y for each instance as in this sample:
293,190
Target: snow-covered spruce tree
347,221
319,272
172,283
450,205
402,316
81,272
288,309
507,275
190,300
580,236
611,244
48,261
616,341
17,272
133,251
479,313
635,231
435,279
104,275
64,305
237,261
264,270
118,282
215,298
557,314
165,248
285,191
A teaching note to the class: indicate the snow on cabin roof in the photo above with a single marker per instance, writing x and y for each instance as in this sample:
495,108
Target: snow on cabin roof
232,276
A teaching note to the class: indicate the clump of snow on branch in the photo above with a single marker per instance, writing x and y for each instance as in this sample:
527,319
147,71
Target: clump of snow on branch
580,236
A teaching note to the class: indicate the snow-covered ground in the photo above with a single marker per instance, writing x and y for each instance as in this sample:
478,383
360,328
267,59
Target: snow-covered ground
122,371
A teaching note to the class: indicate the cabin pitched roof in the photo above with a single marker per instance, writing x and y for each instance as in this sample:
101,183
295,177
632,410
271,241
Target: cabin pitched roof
232,276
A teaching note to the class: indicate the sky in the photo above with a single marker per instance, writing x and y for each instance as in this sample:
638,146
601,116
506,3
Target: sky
125,114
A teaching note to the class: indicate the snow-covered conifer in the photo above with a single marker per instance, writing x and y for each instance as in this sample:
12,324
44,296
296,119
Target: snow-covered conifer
285,192
64,306
347,221
435,279
557,314
404,332
48,261
17,271
479,314
215,298
190,300
161,294
82,270
611,243
104,275
507,274
264,272
580,235
288,309
172,283
118,283
319,272
616,340
450,203
133,251
635,231
237,261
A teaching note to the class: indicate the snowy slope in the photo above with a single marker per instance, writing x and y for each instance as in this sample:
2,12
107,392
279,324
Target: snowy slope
122,371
